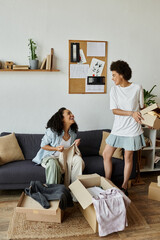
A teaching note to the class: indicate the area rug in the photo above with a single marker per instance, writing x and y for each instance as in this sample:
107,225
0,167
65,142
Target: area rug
74,224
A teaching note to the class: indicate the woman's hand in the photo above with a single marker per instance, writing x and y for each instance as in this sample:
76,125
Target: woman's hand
137,116
77,141
60,148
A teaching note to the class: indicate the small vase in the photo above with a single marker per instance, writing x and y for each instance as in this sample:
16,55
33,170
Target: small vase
33,64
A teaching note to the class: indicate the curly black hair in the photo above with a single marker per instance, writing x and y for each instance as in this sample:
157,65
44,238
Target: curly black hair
56,122
122,68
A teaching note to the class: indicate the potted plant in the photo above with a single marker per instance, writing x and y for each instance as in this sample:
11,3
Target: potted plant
33,62
148,97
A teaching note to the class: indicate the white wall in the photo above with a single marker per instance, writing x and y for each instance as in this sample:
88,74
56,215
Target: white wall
29,99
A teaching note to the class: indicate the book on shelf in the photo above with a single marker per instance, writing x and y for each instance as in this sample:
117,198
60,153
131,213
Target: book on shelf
43,65
20,67
52,51
48,63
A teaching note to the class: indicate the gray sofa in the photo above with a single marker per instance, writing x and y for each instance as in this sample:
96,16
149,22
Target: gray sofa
18,174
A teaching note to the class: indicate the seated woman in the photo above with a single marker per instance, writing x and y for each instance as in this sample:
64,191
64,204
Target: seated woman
61,132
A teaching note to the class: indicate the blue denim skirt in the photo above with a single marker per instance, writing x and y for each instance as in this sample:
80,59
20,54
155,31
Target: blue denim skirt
128,143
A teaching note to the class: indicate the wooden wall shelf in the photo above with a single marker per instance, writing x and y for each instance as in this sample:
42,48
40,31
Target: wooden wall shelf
28,70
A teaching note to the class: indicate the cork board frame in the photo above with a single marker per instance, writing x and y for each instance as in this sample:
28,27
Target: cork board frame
77,85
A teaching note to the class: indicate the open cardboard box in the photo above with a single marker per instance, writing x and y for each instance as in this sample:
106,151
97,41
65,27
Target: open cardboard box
154,191
151,116
82,195
35,212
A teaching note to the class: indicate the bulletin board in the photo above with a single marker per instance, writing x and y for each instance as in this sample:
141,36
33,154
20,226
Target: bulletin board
88,74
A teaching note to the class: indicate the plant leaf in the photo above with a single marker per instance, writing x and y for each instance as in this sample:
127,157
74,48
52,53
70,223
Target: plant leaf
152,88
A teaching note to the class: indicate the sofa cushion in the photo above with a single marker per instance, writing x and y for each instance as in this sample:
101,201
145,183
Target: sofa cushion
10,149
21,172
118,152
94,164
29,143
90,142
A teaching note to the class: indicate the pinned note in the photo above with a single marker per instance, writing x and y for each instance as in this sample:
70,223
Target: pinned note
96,49
82,56
78,70
96,67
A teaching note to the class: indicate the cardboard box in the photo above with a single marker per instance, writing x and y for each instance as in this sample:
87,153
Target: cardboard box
35,212
158,181
154,191
79,190
151,116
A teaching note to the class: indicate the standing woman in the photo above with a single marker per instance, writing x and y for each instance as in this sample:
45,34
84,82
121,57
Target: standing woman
61,132
126,99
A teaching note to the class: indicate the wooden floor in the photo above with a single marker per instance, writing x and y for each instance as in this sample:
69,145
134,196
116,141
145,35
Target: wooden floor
149,209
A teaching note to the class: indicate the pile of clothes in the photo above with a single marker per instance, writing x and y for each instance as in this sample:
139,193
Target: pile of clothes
110,206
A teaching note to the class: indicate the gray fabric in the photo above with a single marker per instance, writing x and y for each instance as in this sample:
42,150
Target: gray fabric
43,193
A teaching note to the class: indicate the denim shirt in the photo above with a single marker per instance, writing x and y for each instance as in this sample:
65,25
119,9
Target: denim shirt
51,138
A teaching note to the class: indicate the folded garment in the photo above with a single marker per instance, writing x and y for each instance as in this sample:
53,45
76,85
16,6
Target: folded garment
95,191
43,193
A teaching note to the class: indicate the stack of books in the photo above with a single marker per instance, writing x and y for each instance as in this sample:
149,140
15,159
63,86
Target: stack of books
20,67
47,62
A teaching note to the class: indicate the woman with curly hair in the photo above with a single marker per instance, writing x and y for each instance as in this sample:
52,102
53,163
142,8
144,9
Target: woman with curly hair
61,132
126,99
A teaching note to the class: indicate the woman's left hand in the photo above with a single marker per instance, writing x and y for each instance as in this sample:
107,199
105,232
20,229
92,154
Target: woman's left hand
77,141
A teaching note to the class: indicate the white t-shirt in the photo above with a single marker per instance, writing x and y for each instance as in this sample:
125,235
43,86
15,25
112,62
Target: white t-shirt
128,99
64,143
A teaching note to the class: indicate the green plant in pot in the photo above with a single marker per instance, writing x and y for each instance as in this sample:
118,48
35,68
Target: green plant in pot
33,62
149,97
